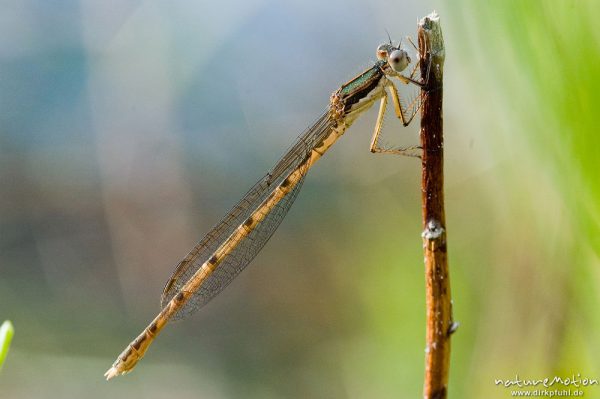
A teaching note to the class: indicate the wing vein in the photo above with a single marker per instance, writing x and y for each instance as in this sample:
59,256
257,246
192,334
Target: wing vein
245,251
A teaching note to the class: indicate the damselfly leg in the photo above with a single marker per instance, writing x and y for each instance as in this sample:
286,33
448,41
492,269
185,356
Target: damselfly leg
412,151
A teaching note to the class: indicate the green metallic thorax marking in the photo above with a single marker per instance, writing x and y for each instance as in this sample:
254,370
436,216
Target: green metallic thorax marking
361,80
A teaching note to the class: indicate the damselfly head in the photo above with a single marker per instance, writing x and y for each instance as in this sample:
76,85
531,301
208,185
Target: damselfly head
396,57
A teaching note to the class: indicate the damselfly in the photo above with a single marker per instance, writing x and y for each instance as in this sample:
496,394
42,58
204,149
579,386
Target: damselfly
230,246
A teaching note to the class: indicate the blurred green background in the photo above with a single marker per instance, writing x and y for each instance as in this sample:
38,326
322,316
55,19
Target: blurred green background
127,129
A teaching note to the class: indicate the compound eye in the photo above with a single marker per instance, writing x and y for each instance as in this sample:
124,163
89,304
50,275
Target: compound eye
383,51
398,60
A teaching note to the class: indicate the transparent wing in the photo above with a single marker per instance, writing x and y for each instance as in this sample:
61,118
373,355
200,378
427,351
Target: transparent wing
244,252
